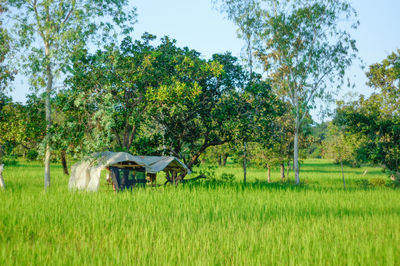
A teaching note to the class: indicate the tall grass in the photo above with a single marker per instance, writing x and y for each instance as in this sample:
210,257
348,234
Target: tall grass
204,223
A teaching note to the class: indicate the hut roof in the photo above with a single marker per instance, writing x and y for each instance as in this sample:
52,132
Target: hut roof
155,164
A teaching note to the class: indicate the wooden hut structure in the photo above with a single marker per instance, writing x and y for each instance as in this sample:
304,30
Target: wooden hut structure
124,170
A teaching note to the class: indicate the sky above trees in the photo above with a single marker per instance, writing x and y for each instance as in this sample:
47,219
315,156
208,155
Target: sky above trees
198,25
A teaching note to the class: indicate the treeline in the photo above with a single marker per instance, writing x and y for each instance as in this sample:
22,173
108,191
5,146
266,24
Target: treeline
98,89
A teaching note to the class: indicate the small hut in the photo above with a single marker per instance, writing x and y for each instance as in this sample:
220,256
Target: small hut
124,170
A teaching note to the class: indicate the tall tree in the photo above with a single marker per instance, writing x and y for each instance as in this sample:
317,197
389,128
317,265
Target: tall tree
304,51
244,13
49,30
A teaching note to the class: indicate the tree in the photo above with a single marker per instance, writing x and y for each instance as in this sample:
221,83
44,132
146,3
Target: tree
23,124
109,88
385,77
50,30
244,14
341,146
377,118
380,130
197,105
304,52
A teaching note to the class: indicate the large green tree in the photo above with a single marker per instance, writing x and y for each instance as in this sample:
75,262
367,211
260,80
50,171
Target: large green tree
48,31
377,118
106,93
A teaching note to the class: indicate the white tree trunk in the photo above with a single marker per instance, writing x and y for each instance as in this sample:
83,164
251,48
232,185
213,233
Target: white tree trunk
48,120
296,151
2,184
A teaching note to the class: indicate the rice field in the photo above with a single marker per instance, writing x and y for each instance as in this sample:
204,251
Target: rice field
203,223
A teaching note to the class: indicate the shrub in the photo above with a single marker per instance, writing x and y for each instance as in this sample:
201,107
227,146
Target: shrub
32,155
363,183
377,182
227,177
209,172
10,160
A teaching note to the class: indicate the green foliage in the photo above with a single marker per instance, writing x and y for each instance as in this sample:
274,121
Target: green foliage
376,119
303,47
378,182
208,172
385,77
46,35
363,183
48,32
227,177
163,96
32,155
6,71
22,125
342,147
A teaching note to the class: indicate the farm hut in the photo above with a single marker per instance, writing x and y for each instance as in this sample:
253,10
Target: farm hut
125,170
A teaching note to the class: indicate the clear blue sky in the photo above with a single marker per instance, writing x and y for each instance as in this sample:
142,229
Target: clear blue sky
194,23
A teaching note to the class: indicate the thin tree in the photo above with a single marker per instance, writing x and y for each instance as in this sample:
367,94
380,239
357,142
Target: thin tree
304,51
48,31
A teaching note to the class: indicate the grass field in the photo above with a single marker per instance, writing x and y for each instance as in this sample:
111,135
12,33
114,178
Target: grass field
206,223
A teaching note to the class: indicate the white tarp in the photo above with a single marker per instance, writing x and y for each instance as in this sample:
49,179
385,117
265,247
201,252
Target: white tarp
85,175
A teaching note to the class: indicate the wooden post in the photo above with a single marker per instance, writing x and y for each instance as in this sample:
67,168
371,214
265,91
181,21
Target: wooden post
174,177
125,179
2,184
114,172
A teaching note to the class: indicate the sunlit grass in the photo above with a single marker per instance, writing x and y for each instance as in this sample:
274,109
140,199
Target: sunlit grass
202,223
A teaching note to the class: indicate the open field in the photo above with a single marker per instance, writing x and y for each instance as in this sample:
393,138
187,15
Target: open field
204,223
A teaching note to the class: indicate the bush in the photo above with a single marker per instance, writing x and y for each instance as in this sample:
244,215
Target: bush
363,183
209,172
32,155
227,177
377,182
373,182
10,160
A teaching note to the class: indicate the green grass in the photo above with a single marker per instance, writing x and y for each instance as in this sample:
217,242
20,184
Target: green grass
204,223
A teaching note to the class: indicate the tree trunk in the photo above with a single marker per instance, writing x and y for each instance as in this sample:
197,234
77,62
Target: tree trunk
64,162
296,151
2,184
220,160
344,182
48,117
269,173
287,170
225,159
244,163
282,171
